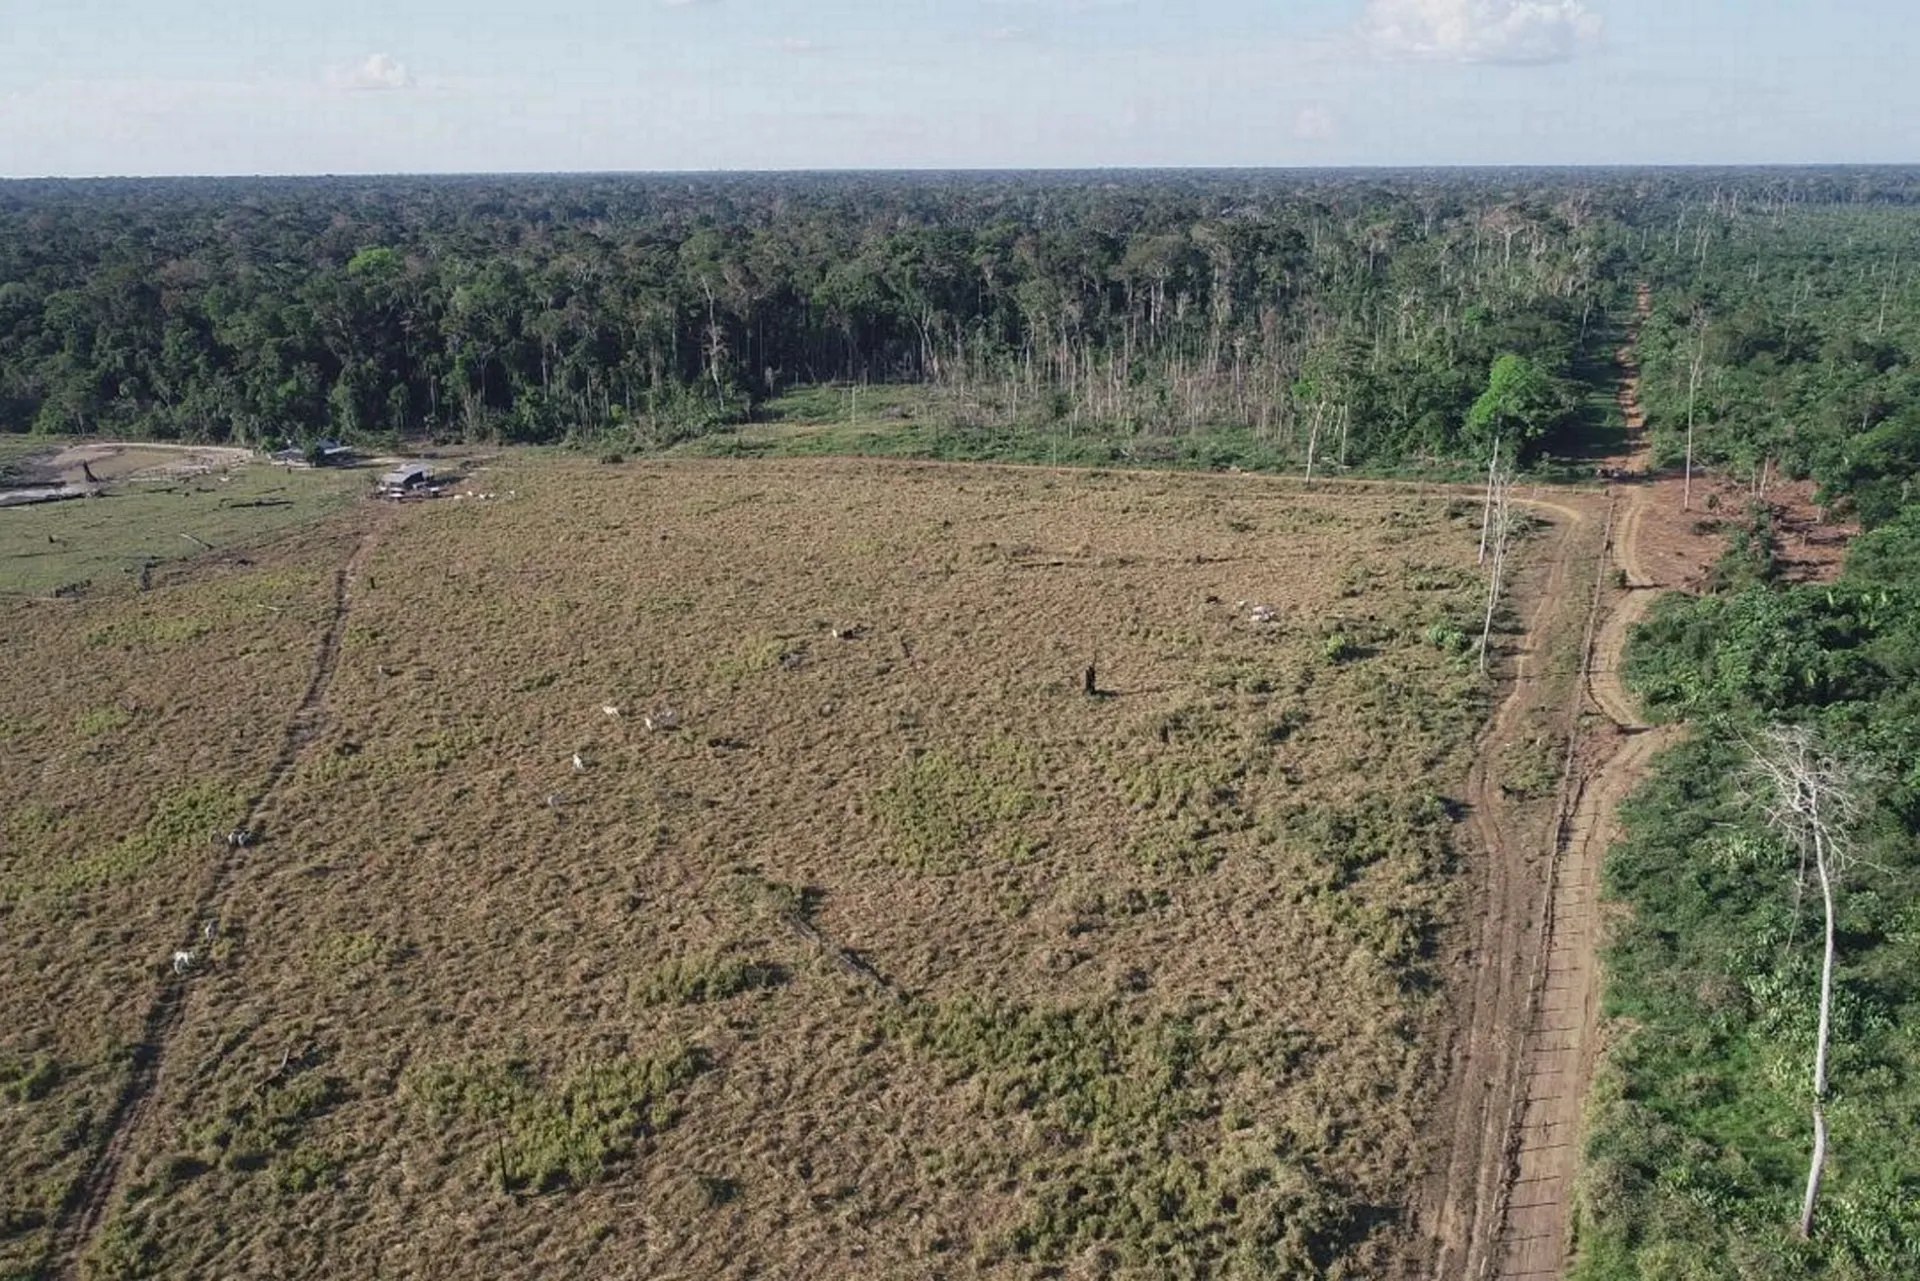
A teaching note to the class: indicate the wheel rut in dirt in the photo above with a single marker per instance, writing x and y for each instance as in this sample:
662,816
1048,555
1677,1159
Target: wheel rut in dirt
85,1211
1498,965
1539,1160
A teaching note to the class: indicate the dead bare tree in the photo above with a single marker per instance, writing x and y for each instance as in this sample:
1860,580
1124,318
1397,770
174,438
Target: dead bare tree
1693,391
1813,801
1501,518
1486,511
1313,440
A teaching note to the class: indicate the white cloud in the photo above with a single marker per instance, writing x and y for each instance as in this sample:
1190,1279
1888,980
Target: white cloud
1512,31
1314,123
377,72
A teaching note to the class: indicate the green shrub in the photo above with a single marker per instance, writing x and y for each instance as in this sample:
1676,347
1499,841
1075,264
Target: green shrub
698,980
182,823
1143,1170
942,807
566,1133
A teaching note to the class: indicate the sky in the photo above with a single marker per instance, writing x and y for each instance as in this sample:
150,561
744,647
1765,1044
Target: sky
149,87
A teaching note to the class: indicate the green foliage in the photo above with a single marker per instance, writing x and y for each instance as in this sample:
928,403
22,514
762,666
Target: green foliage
27,1080
1699,1138
1195,320
1520,406
1888,556
1375,869
1806,330
180,824
945,807
1532,767
1143,1172
1338,648
149,632
754,655
1447,638
702,979
544,1134
264,1125
1183,778
101,720
350,956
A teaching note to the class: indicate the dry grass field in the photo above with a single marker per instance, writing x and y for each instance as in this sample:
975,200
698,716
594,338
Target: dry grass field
885,952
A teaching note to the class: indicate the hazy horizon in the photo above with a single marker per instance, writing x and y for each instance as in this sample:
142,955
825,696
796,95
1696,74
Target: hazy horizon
424,87
976,170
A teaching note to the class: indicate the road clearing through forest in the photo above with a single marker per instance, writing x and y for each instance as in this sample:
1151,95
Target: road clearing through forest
1539,1157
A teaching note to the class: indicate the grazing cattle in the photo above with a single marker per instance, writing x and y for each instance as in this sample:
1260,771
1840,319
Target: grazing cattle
182,962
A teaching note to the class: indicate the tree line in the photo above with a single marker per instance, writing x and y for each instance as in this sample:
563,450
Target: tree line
644,310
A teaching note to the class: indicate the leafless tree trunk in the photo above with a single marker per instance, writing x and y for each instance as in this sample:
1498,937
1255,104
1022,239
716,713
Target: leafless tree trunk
1486,511
1693,390
1313,441
1499,537
1813,802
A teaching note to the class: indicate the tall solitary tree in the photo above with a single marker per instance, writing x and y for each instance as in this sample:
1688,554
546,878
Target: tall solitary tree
1813,802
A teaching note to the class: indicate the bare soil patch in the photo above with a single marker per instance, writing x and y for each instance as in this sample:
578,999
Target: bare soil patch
124,461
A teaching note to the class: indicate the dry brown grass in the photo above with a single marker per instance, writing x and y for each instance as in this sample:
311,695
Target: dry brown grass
898,956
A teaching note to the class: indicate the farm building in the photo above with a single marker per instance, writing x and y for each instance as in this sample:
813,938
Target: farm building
407,479
324,453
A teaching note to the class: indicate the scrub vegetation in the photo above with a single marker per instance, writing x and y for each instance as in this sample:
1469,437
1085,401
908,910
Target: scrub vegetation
898,947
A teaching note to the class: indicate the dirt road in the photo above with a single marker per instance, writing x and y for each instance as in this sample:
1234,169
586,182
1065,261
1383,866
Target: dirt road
1526,983
1539,1156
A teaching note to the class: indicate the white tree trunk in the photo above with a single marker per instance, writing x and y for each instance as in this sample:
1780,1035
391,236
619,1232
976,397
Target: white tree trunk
1816,1167
1486,512
1313,441
1500,499
1693,389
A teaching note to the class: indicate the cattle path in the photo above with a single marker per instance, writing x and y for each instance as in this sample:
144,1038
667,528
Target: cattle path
84,1213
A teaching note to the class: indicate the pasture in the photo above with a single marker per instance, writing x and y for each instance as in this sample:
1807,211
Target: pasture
159,504
718,869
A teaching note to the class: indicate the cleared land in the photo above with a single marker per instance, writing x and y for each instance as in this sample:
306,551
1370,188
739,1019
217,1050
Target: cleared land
884,952
155,504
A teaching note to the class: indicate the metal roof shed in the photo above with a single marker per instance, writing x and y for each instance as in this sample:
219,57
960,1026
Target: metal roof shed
409,477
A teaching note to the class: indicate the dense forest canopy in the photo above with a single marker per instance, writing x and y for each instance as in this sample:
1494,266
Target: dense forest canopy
1362,311
540,309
